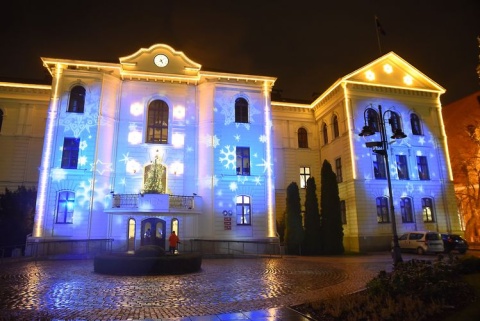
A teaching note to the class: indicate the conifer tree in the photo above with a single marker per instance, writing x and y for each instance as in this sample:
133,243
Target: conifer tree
312,242
293,220
331,220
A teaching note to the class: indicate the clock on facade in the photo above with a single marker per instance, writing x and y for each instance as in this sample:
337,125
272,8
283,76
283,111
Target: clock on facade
160,60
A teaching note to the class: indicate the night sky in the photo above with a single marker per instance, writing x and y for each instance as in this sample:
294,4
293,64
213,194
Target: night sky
307,45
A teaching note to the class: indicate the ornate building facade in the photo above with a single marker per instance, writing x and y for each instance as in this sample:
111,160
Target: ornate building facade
154,144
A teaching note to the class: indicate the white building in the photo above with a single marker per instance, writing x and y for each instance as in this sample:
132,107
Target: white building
155,142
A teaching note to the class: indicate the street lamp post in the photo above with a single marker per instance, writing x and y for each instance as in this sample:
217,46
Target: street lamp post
381,148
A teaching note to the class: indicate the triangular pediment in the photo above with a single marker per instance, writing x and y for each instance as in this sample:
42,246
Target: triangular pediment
392,71
160,59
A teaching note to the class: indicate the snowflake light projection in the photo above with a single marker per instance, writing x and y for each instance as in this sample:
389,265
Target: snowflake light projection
257,180
233,186
83,195
136,109
82,160
83,144
227,107
125,158
210,181
210,141
77,123
267,167
133,166
229,157
242,179
101,167
58,174
262,138
237,137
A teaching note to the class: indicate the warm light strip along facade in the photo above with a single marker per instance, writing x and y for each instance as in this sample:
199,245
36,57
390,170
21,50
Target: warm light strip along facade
20,85
46,158
349,130
270,189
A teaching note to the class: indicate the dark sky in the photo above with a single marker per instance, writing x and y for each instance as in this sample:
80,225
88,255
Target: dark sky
307,45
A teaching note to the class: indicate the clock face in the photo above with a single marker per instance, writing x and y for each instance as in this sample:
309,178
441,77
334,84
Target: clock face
160,60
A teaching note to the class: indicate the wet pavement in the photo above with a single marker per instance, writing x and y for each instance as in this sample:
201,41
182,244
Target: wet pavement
225,289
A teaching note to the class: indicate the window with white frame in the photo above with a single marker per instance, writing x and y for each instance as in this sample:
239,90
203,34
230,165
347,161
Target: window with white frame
382,210
338,169
336,131
243,160
243,210
302,138
65,206
406,209
304,176
428,210
76,103
422,165
415,123
241,110
157,122
379,167
402,167
70,152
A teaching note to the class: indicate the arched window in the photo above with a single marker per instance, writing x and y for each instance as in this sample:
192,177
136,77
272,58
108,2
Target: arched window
415,122
131,234
241,110
243,210
406,209
174,226
157,126
372,120
395,122
325,133
65,206
76,103
302,138
336,131
383,215
428,210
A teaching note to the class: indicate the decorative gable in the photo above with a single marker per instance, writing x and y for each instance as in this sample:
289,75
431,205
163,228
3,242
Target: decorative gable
161,59
392,71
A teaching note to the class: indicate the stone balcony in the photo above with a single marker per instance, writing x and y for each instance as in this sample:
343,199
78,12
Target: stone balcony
154,203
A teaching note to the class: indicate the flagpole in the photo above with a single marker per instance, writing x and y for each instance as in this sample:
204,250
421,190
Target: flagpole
378,36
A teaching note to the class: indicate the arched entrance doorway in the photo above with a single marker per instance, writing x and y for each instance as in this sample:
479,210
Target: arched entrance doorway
153,232
131,235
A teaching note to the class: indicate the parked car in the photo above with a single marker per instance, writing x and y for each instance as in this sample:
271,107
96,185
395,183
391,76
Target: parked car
421,242
454,242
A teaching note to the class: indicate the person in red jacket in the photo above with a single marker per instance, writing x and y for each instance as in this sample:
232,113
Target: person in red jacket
173,240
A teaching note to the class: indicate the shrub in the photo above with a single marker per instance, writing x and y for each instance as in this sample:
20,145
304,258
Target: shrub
415,290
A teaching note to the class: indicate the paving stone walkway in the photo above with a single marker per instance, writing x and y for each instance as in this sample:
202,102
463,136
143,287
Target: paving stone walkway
71,290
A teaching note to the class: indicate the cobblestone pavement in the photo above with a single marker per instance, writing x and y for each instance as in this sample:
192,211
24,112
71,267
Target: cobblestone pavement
70,290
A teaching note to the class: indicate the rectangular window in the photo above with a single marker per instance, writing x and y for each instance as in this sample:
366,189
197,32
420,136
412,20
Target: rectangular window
379,167
422,164
70,153
343,212
402,167
382,210
243,210
304,176
406,210
338,167
65,205
243,160
427,210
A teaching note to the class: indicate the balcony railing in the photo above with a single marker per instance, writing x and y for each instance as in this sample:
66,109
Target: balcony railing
154,203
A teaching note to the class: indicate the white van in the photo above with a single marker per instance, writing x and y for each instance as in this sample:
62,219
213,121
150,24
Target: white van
421,242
